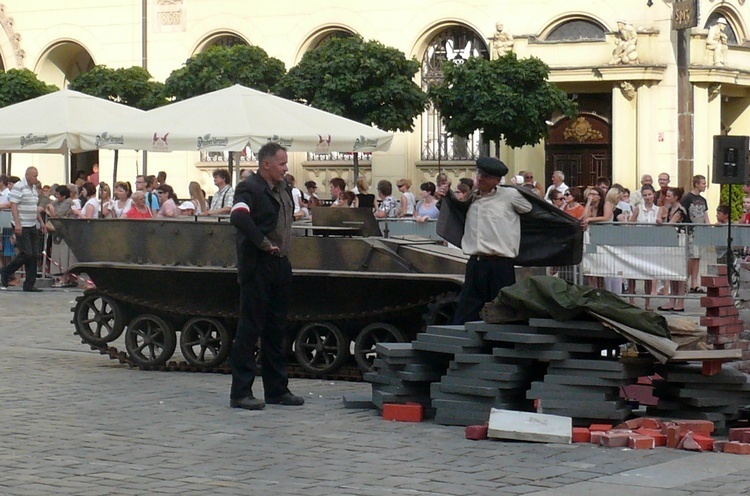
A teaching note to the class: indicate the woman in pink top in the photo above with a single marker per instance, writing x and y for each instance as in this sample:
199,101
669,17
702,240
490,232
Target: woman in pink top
167,200
139,209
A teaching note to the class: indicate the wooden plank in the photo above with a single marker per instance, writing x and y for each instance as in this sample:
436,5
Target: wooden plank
698,355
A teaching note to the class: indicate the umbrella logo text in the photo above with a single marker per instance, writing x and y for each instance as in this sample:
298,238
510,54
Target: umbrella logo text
31,139
160,143
282,141
363,142
208,140
106,139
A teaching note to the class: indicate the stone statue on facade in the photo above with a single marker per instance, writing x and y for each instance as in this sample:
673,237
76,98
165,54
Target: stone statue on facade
626,39
502,42
716,43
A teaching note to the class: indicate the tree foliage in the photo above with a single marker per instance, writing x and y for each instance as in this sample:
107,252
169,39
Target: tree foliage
18,85
737,196
365,81
133,86
220,67
506,98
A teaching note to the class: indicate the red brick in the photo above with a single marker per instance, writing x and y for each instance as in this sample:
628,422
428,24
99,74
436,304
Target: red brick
720,321
631,424
615,439
714,292
737,448
716,270
410,412
688,442
652,423
673,435
738,433
596,437
476,432
722,311
639,441
711,367
710,302
727,329
600,427
700,426
719,446
705,442
581,435
714,281
659,438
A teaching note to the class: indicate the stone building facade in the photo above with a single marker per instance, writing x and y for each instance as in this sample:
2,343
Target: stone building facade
618,60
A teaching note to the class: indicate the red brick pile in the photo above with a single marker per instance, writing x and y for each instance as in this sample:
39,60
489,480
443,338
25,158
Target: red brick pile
648,433
722,319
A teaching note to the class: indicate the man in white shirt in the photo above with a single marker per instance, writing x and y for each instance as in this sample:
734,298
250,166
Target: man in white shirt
558,183
23,206
492,237
221,202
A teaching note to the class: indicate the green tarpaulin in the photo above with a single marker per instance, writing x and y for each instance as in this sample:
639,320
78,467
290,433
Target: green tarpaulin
551,297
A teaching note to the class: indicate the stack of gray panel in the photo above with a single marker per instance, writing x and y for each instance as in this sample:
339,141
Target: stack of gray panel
476,383
685,393
583,378
449,339
403,375
588,389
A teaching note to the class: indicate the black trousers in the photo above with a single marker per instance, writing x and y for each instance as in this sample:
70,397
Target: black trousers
28,254
485,277
264,302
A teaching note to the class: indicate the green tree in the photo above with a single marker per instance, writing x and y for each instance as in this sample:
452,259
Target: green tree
737,196
365,81
220,67
506,98
18,85
132,86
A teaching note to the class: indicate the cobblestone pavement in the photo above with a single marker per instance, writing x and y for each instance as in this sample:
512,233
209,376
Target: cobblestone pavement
74,422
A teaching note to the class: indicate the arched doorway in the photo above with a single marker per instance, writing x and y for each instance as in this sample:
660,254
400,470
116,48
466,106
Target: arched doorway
581,148
63,62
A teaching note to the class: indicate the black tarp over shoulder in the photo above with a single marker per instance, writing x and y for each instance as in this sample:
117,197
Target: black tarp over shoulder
549,236
551,297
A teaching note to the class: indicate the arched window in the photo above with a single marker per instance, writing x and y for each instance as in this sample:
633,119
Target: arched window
729,31
577,30
454,44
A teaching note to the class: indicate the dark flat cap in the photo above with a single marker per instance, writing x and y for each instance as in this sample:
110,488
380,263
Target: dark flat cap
492,166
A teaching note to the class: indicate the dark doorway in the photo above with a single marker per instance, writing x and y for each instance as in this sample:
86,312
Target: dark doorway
581,148
82,161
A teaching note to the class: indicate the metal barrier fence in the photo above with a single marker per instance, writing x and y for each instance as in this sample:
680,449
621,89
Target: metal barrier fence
651,251
408,227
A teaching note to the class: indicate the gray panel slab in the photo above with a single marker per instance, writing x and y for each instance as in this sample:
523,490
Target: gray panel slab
444,406
452,331
437,393
464,420
429,376
577,363
473,381
394,349
495,366
485,327
358,401
536,392
567,324
450,340
410,388
603,374
445,349
489,392
517,337
378,378
536,355
575,380
594,410
692,373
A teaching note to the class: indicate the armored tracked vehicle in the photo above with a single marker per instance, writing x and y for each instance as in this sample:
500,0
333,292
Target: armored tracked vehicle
164,282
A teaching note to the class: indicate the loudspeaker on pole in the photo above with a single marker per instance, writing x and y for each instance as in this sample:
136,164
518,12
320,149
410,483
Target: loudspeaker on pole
731,160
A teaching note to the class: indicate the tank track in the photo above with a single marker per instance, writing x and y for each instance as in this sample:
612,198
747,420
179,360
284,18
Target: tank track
348,372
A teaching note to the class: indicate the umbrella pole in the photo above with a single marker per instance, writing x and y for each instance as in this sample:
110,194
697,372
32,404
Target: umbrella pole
10,163
114,169
230,163
356,167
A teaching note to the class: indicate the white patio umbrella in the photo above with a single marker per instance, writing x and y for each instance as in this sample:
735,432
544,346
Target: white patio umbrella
60,122
234,117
